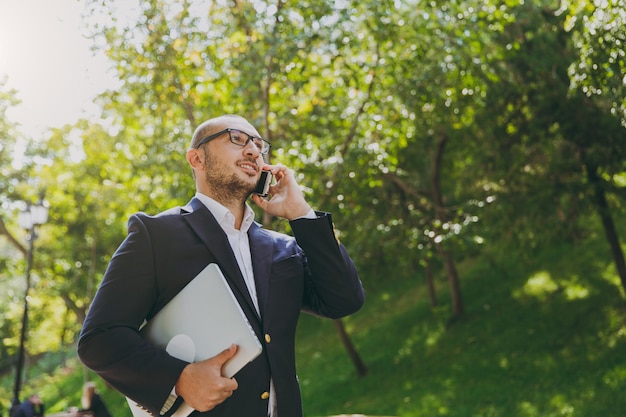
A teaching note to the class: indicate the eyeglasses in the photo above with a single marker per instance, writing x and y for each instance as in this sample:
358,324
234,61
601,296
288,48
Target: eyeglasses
239,138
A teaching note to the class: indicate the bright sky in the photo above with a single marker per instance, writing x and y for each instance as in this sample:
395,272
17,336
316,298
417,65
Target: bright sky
46,58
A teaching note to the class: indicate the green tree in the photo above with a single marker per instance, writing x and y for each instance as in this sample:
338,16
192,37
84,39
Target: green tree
563,147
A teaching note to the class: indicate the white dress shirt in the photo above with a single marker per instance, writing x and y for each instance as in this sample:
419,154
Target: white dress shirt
240,245
238,239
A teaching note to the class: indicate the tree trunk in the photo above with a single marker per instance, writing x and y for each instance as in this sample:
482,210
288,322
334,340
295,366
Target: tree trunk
453,280
440,214
430,284
601,204
359,365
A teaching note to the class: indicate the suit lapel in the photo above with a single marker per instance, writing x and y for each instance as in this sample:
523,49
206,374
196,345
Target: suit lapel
212,235
261,252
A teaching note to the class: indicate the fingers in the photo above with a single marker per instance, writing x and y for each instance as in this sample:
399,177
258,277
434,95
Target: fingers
210,399
284,179
286,199
226,354
202,385
260,201
279,171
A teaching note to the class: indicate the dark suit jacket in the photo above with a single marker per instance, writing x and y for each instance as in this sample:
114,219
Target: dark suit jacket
162,253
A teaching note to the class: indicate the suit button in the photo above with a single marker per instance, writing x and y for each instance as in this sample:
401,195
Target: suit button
267,338
265,395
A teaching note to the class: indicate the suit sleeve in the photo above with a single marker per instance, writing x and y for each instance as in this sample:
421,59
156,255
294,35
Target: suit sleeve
332,288
110,343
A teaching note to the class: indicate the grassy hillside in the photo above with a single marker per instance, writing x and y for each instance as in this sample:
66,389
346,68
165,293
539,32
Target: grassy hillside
544,336
541,336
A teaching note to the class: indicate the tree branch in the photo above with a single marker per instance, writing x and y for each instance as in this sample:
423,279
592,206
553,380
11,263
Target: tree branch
353,127
4,231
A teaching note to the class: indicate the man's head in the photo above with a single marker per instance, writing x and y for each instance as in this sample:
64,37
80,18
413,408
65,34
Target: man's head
225,155
208,127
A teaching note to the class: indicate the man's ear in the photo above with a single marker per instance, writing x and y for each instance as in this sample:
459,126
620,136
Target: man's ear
194,159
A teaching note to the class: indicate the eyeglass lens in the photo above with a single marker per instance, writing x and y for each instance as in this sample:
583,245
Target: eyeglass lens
241,138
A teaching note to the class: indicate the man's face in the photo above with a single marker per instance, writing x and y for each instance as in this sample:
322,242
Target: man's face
232,171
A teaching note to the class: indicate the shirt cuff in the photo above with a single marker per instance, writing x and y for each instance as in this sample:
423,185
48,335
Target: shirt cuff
310,215
171,399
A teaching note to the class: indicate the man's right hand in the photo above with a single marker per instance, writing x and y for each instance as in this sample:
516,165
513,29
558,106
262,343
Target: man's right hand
202,385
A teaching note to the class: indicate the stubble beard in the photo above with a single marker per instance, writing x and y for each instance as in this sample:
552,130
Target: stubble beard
226,189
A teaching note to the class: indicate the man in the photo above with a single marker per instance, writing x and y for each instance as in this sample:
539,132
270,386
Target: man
274,277
92,402
32,407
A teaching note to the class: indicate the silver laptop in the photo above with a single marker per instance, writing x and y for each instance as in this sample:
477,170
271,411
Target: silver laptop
206,317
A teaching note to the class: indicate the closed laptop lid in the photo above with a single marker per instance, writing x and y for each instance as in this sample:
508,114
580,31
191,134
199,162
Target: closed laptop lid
207,312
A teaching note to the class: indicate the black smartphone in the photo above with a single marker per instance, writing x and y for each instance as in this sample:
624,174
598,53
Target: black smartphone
263,186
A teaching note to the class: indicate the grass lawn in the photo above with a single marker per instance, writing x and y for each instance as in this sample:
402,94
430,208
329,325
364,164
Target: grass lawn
547,341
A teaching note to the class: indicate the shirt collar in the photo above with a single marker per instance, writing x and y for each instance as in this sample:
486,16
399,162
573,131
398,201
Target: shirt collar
223,216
